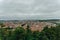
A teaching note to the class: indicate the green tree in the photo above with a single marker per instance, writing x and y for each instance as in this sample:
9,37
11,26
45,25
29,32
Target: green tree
28,34
36,35
18,34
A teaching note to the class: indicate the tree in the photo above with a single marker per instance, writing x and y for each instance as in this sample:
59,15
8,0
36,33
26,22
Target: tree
18,34
28,33
36,35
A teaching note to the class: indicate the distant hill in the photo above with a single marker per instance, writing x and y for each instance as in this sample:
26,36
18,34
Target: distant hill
47,20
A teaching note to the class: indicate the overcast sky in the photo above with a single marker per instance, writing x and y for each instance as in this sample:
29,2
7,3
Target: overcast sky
29,9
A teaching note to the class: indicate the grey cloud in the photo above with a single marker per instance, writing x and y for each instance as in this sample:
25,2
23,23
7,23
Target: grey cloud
45,8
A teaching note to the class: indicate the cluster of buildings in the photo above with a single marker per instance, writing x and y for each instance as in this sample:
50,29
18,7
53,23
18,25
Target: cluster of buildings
34,26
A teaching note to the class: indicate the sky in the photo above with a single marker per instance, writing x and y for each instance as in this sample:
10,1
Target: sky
29,9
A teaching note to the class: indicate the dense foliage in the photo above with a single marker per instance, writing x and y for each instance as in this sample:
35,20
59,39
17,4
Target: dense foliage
19,33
